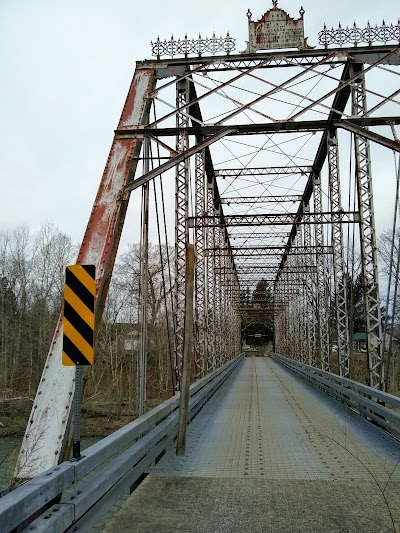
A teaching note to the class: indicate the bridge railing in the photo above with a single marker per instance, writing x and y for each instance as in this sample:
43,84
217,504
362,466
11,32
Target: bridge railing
364,400
108,469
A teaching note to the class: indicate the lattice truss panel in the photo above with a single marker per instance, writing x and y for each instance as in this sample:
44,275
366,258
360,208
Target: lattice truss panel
266,165
272,208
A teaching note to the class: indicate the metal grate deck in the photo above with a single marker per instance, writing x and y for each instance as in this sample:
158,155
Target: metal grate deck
271,453
266,423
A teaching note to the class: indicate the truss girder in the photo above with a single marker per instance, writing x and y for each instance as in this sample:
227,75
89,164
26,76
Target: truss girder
46,433
201,300
256,271
260,236
211,285
339,267
217,132
218,301
322,289
284,219
181,225
268,171
269,252
339,104
309,277
368,240
275,58
290,198
301,298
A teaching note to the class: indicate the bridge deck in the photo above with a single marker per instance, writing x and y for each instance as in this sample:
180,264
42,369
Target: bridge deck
270,453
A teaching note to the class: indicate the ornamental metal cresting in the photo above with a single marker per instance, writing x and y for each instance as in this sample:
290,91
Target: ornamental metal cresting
276,29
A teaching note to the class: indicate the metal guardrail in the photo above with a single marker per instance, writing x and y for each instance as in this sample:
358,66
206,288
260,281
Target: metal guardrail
115,464
366,401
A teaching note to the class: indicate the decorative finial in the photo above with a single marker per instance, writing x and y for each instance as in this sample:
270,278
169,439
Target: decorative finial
302,12
249,14
274,4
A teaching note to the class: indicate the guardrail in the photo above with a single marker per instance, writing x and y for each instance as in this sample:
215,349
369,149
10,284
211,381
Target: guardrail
115,463
366,401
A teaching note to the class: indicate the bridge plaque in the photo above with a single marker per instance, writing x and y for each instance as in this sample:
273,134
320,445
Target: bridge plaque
276,30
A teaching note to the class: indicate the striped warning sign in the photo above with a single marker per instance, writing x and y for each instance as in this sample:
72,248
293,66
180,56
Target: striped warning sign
79,293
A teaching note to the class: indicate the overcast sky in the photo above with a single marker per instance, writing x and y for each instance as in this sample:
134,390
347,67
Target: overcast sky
66,66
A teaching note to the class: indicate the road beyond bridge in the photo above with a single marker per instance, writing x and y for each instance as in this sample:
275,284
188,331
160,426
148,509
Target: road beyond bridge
269,453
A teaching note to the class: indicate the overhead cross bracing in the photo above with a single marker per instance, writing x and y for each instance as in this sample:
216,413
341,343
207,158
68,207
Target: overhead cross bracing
289,123
261,199
296,144
252,151
276,171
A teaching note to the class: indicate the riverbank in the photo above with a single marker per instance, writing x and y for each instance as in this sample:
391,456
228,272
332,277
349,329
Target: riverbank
9,449
99,417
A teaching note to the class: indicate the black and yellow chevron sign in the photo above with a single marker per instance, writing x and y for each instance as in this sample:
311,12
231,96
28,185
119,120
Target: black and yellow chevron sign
79,293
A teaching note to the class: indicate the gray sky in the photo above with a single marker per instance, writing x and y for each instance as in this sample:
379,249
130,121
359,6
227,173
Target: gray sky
65,70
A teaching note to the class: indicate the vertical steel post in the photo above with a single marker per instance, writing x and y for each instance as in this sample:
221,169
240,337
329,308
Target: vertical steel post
201,304
368,238
278,316
211,282
303,310
237,321
295,321
285,325
144,285
298,262
181,221
339,270
187,352
76,441
218,295
279,324
224,299
46,433
322,291
238,317
232,324
309,280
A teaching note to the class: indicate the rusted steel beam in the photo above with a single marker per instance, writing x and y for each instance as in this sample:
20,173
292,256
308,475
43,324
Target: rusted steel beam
45,436
264,128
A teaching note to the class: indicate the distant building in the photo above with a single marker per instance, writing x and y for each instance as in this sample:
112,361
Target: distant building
360,341
131,341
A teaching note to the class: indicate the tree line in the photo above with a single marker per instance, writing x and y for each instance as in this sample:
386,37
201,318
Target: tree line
32,274
32,277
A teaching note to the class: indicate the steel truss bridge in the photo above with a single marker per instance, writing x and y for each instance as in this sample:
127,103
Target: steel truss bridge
271,159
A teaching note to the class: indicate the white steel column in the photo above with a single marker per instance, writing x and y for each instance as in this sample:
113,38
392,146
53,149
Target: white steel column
144,286
322,291
210,264
310,303
218,262
339,270
181,222
368,240
201,303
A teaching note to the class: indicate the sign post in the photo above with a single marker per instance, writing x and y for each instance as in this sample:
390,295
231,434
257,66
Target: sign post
76,440
78,335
